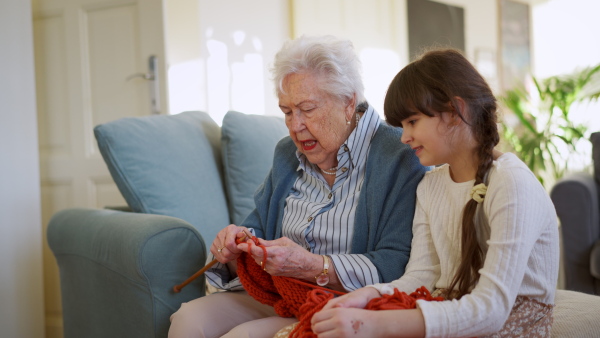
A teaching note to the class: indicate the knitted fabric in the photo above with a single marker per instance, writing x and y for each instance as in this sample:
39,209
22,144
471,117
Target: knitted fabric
318,298
291,297
285,294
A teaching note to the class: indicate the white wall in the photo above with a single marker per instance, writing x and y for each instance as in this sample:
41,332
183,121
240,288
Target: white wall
565,43
219,54
481,35
219,58
21,295
377,28
566,37
481,24
379,32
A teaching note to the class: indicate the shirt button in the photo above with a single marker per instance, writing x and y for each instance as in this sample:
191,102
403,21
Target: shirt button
310,219
346,148
330,194
344,169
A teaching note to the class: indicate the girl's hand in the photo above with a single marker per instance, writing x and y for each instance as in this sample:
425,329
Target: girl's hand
224,247
345,322
285,258
355,299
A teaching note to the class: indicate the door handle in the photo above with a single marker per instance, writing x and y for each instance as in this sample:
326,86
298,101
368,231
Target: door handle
153,83
144,76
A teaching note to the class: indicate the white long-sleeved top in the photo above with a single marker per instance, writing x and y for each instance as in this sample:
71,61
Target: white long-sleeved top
518,231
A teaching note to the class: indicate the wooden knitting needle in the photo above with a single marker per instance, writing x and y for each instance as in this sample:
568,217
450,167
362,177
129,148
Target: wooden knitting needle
178,288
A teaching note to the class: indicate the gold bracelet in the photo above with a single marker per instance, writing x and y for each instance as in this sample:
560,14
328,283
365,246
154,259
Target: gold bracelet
323,278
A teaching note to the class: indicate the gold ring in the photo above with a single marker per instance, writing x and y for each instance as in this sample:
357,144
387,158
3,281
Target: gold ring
260,263
221,249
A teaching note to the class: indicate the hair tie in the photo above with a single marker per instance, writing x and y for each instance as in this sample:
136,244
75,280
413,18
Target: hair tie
478,192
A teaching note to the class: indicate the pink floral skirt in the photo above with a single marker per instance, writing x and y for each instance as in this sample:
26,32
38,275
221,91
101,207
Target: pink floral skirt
528,318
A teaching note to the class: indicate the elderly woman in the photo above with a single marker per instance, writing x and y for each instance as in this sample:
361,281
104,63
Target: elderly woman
337,207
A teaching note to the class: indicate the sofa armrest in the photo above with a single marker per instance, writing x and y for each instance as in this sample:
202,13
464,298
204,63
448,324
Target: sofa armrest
118,269
575,198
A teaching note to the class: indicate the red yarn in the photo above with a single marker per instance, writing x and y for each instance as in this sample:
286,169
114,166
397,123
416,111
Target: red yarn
317,299
294,298
285,294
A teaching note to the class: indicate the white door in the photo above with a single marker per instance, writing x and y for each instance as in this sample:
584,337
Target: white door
85,51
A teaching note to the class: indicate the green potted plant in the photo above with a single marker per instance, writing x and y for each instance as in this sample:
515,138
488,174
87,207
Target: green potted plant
544,135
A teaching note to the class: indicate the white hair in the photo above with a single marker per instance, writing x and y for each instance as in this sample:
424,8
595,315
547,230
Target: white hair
327,56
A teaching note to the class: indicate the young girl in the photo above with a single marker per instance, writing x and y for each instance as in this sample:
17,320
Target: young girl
485,231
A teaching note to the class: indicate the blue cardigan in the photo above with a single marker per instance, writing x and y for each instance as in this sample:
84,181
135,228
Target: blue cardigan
384,215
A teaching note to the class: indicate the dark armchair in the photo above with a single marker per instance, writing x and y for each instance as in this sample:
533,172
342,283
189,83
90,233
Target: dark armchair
576,200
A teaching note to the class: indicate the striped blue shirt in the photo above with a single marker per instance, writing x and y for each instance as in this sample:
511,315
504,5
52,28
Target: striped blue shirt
321,218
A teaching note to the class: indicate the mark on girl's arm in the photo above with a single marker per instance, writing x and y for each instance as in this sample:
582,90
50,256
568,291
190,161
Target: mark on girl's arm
356,325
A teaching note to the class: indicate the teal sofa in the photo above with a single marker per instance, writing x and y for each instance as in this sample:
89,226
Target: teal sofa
184,178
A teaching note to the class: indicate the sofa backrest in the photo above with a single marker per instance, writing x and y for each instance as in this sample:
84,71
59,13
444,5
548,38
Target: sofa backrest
168,165
247,145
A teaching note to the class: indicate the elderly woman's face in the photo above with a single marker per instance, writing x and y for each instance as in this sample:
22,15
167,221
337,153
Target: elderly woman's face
315,119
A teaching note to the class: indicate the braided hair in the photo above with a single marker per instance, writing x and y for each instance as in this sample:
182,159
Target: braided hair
433,84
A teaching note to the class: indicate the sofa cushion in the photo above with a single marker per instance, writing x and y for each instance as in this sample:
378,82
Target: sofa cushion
575,315
168,165
248,143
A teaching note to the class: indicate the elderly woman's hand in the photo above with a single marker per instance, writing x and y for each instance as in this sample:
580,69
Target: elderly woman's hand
224,247
286,258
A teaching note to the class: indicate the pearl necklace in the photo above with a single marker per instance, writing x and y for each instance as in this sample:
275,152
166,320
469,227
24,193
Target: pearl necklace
333,170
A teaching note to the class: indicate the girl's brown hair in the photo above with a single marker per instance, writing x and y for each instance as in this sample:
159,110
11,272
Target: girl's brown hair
431,85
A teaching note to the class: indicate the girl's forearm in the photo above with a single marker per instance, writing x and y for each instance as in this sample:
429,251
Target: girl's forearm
399,323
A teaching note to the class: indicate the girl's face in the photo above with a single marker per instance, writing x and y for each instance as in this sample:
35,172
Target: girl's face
429,137
316,121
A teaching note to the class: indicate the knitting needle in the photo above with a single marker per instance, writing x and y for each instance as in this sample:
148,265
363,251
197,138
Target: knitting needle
178,288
